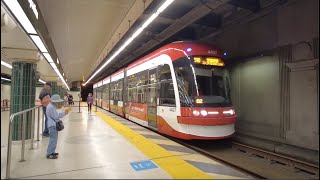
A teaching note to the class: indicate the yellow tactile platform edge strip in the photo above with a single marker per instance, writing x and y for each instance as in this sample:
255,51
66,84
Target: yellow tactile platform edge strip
176,167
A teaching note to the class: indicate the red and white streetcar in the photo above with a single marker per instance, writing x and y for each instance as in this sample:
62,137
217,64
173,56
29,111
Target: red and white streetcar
181,89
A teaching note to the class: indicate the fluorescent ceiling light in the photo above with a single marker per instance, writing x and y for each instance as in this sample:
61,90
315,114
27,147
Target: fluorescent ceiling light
36,39
6,64
5,79
136,34
42,81
56,70
16,9
144,25
48,57
53,65
155,15
61,77
164,6
65,84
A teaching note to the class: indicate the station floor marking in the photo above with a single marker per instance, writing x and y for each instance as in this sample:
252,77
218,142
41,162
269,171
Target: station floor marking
175,166
165,142
146,132
199,158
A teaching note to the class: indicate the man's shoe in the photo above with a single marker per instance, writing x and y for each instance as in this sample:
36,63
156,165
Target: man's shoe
56,154
52,156
45,134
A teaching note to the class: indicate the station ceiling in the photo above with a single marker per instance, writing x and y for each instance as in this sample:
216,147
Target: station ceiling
85,33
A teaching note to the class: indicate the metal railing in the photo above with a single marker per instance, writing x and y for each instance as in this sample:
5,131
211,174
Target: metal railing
23,113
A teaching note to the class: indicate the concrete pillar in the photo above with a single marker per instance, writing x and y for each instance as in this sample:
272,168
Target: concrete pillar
60,89
64,91
54,87
23,89
23,86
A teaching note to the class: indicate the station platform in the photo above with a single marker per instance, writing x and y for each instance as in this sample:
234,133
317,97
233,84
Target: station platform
101,145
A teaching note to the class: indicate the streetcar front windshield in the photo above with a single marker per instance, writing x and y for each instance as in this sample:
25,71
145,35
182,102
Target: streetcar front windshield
202,85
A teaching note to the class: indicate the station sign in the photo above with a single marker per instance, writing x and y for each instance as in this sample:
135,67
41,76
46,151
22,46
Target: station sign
143,165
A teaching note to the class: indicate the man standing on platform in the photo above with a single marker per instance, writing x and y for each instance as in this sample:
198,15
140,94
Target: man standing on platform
45,92
89,101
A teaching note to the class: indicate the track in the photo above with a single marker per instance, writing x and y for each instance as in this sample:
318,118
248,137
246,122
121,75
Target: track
219,146
278,158
256,162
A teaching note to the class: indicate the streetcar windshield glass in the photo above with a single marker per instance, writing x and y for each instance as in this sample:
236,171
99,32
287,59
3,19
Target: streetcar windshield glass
202,85
212,87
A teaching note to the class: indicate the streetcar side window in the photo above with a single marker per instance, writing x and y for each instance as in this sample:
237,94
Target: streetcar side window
107,92
167,97
104,94
132,89
94,96
98,94
137,86
113,91
116,90
119,90
141,85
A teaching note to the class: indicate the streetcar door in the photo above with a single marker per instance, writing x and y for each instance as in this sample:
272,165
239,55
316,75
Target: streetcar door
166,101
152,98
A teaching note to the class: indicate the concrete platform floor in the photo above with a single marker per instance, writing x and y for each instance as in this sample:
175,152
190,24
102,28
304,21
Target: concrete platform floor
100,145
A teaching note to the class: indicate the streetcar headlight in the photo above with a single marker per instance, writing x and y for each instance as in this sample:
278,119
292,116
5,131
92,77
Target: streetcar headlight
196,113
204,112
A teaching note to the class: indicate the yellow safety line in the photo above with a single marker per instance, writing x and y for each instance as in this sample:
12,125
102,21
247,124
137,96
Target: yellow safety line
173,165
